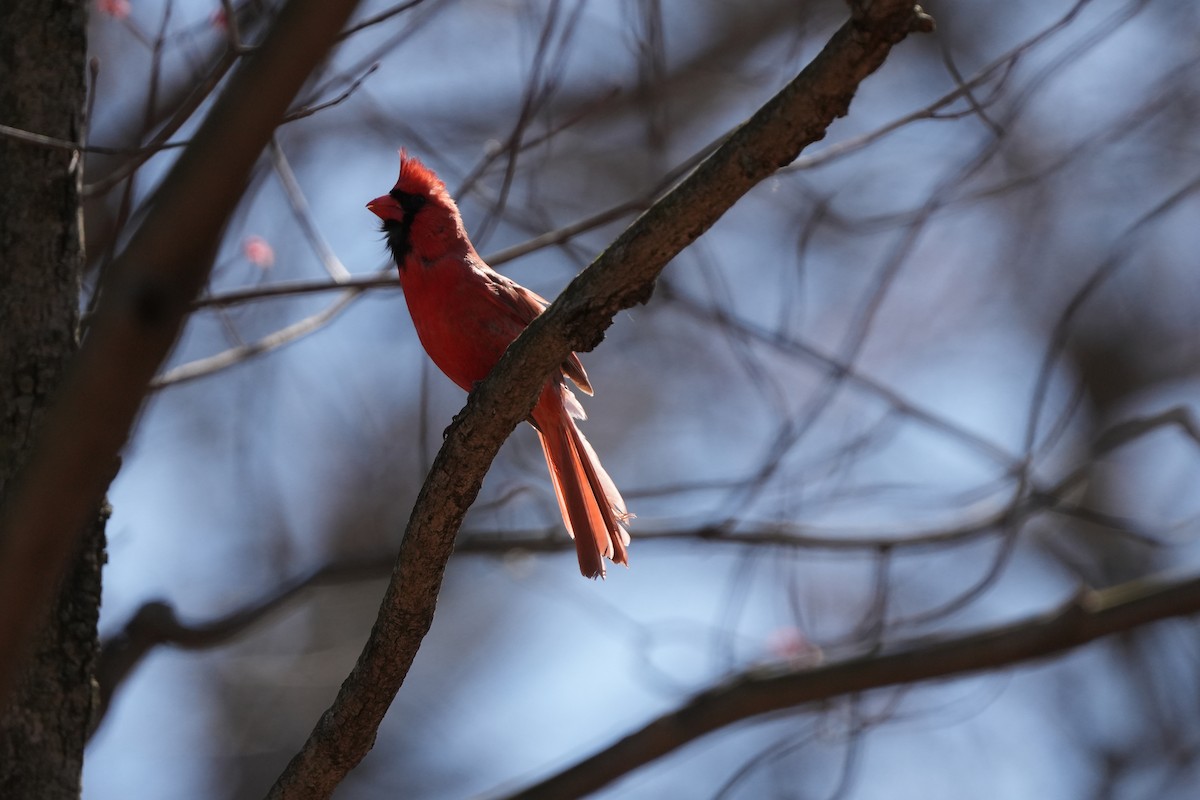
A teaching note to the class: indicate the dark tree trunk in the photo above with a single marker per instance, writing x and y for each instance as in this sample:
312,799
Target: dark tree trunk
42,56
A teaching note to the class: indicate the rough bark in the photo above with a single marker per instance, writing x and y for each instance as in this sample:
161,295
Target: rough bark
42,54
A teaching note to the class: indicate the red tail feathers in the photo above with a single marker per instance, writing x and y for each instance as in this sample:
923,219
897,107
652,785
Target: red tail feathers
592,508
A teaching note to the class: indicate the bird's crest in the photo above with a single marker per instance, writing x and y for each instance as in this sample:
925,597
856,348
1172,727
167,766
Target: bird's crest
416,178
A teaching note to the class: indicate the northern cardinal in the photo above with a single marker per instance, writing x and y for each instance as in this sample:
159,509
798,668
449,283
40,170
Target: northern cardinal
466,314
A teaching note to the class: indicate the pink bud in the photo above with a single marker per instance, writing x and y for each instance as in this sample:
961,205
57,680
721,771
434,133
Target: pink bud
117,9
790,644
258,252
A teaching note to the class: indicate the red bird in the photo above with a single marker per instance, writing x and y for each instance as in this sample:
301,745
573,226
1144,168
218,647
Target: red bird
466,315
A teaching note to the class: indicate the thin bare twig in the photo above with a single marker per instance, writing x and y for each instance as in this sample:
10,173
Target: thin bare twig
272,341
382,16
379,280
1128,430
308,111
299,204
1000,68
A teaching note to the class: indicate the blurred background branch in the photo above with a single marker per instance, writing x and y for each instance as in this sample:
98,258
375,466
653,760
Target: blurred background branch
1086,617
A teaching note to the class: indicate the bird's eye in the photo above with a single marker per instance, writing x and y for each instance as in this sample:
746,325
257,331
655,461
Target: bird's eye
410,203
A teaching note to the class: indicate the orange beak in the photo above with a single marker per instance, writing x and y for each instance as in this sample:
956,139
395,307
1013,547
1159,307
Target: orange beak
385,207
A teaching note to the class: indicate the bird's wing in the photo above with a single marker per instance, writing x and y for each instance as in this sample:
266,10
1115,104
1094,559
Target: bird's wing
522,305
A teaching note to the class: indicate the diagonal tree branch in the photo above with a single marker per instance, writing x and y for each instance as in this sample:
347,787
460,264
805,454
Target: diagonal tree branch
145,299
620,277
1084,618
